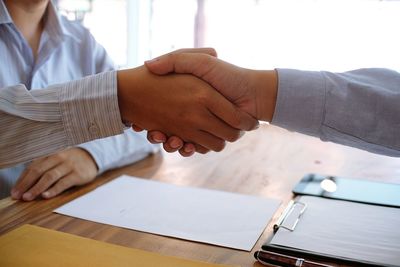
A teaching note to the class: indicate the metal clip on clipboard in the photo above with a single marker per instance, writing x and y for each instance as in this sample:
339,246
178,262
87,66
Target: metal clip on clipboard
290,216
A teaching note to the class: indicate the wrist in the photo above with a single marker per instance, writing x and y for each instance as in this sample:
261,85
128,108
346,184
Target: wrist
121,85
88,157
266,94
126,84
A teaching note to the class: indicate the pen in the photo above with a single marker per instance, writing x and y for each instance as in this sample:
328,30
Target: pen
269,257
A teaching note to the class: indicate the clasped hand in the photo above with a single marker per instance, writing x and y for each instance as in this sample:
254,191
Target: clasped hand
250,92
185,106
189,100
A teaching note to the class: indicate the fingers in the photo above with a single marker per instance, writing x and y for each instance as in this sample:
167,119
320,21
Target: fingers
229,113
209,141
32,173
186,113
236,118
42,175
63,184
170,145
203,50
234,83
156,137
191,63
47,180
187,150
215,127
173,144
176,61
137,128
201,149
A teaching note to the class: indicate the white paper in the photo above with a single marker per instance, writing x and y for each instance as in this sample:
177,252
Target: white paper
360,232
209,216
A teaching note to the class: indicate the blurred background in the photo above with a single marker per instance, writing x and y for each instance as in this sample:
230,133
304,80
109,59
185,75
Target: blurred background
334,35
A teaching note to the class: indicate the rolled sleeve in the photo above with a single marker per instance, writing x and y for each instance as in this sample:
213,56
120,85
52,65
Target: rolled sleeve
300,101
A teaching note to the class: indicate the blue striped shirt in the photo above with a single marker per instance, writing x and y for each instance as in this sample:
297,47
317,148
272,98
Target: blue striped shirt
67,52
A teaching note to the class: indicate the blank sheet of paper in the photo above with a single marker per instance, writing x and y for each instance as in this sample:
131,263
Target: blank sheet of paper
209,216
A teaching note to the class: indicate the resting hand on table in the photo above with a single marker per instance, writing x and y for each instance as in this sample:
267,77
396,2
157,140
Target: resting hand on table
49,176
252,91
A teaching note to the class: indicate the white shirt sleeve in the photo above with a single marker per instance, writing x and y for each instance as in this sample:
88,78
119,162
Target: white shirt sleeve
120,150
40,122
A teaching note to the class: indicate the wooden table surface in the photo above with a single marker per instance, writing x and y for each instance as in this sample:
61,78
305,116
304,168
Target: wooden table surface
267,162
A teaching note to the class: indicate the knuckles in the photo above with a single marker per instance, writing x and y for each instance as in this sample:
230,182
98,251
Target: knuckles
203,99
34,171
63,183
50,176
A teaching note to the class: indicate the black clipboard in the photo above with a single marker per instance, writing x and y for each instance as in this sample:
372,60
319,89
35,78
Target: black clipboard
291,221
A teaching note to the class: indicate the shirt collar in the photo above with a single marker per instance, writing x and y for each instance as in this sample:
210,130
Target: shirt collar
56,25
4,15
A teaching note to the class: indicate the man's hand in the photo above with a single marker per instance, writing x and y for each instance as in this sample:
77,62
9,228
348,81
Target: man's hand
252,91
180,105
49,176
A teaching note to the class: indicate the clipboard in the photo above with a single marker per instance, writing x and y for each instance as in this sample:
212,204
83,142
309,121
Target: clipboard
337,231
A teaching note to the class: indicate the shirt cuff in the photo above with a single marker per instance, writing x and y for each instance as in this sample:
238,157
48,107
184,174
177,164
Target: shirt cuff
117,151
89,108
300,101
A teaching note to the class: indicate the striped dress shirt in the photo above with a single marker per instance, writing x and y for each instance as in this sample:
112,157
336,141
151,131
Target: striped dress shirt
69,109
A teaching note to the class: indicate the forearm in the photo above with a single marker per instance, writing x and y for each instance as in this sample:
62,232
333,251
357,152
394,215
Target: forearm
117,151
41,122
358,108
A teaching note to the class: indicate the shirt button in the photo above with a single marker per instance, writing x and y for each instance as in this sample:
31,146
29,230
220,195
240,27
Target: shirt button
93,129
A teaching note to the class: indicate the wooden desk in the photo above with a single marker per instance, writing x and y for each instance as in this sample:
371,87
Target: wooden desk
267,162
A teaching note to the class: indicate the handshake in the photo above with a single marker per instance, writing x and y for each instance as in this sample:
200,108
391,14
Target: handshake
193,102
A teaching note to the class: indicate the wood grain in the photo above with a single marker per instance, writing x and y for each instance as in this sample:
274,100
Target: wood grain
267,162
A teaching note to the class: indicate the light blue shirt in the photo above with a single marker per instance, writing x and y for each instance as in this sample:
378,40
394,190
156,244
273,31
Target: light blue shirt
359,108
67,51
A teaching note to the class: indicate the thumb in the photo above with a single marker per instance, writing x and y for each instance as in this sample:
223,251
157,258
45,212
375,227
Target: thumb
175,61
229,80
